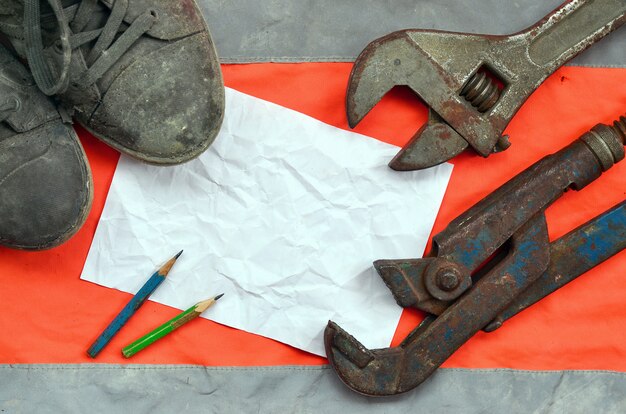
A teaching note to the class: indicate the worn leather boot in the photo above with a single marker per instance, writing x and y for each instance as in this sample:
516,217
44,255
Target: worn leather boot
141,75
45,181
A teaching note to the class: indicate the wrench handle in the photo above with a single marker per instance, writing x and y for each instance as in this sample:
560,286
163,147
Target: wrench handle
572,28
571,256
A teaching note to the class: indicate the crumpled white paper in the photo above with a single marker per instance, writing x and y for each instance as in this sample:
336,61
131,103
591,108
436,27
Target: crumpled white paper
284,214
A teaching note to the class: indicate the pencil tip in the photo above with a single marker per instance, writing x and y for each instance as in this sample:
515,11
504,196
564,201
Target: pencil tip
165,269
218,296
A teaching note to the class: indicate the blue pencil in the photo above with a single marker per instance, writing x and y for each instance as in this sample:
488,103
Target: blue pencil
131,307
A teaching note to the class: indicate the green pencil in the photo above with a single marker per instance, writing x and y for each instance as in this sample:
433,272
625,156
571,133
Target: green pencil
169,326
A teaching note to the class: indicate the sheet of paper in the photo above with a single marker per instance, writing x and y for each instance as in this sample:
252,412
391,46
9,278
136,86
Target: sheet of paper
284,214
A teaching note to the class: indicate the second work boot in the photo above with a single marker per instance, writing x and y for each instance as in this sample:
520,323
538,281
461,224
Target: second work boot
45,181
141,75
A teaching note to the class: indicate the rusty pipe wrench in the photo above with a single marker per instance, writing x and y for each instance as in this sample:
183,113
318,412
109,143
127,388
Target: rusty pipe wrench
473,84
489,263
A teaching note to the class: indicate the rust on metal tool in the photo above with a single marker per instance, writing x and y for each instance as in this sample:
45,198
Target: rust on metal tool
571,256
488,264
472,84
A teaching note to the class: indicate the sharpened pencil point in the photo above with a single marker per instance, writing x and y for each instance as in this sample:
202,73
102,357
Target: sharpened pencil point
218,296
165,269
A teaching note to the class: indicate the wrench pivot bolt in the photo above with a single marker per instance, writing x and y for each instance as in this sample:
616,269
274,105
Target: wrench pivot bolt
448,279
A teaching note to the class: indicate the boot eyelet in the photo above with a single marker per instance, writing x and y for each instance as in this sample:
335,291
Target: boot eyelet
16,102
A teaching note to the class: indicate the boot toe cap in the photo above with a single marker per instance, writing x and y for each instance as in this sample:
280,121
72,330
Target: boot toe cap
167,107
45,187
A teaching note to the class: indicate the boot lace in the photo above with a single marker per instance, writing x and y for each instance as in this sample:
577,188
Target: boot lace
72,21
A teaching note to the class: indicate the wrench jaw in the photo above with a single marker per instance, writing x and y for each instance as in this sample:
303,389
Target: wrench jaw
377,372
395,370
474,84
435,143
413,58
375,72
369,372
399,369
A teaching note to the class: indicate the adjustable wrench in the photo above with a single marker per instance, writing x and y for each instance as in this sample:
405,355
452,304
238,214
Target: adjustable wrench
473,84
491,262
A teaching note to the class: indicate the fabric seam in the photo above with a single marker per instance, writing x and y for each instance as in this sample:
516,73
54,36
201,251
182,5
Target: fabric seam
114,367
343,59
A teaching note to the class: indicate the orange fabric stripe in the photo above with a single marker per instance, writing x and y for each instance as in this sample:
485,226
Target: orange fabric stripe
52,316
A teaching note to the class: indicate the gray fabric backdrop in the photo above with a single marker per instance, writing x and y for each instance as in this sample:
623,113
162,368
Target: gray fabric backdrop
102,388
325,30
338,30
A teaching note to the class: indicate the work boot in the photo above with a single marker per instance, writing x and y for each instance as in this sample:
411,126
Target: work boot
45,181
141,75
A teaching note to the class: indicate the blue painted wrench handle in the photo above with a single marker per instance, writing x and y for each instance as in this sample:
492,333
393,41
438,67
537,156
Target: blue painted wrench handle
572,255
